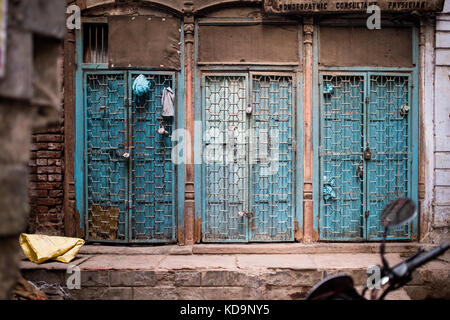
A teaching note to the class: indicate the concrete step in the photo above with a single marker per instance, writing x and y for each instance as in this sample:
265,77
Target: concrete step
225,276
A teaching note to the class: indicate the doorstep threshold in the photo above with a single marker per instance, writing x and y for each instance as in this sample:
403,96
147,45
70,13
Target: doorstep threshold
253,248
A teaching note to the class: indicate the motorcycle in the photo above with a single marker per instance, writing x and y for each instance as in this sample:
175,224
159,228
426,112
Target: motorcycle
341,286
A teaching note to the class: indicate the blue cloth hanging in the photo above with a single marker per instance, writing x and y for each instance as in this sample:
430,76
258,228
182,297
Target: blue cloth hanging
328,88
141,85
141,88
328,189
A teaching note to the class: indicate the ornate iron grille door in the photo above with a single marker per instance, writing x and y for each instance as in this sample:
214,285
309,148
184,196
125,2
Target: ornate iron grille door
225,153
341,157
271,159
248,158
130,176
152,171
387,135
363,154
106,169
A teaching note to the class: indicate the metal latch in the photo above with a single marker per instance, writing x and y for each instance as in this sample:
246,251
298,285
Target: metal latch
247,214
367,153
360,172
367,214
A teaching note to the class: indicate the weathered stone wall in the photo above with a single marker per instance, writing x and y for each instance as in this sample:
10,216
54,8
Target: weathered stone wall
441,219
228,277
29,98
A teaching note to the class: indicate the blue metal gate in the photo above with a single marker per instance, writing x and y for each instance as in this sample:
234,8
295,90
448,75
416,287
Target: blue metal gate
130,176
248,157
364,153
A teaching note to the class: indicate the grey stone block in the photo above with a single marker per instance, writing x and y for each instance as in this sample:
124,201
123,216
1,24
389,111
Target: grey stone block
17,81
292,278
13,200
217,278
132,278
46,17
94,278
102,293
187,278
155,293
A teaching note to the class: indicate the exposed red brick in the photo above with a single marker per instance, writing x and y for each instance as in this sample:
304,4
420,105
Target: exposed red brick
55,193
52,169
48,154
35,193
45,187
54,162
54,177
42,209
41,162
48,201
50,186
48,138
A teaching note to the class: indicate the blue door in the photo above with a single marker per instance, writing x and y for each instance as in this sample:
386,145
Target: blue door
130,175
364,154
248,158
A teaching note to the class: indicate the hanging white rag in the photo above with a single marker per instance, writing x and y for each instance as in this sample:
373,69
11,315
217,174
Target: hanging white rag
167,102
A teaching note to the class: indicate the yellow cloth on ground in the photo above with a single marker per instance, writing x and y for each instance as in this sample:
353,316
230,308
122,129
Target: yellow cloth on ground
39,248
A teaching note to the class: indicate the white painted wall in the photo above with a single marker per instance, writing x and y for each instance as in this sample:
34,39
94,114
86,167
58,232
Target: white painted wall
441,216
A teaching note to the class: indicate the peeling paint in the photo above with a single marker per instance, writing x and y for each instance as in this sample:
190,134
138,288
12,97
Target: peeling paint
180,236
298,232
103,222
198,230
79,232
315,235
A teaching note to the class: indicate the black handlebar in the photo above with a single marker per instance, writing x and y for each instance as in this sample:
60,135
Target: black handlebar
424,258
401,273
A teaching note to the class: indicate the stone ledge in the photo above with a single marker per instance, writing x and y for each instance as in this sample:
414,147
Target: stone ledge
92,249
253,248
301,248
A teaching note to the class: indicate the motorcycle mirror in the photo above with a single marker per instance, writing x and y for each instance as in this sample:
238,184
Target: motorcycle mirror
398,213
333,287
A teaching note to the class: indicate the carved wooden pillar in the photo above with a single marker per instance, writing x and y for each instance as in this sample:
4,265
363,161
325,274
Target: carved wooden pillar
308,30
189,203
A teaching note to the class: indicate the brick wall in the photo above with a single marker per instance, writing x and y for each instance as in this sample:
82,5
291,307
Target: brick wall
46,193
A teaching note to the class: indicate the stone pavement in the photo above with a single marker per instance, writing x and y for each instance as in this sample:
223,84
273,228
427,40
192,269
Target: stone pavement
219,272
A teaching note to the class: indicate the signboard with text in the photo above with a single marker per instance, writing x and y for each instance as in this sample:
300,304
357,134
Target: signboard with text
346,6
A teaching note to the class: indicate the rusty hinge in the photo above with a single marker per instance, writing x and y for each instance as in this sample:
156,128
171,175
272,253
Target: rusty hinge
367,100
367,214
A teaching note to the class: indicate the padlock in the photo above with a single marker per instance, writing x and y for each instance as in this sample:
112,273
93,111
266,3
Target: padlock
249,109
404,110
162,130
